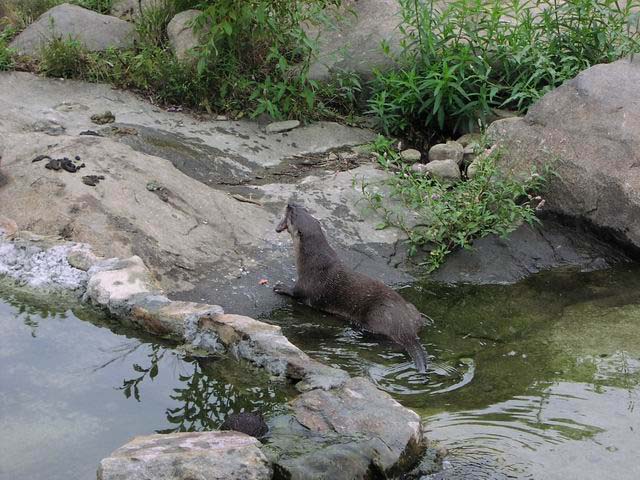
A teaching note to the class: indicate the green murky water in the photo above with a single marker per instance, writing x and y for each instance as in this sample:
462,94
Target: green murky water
537,380
74,387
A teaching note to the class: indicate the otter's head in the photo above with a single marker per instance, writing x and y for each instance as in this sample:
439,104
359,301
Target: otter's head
298,222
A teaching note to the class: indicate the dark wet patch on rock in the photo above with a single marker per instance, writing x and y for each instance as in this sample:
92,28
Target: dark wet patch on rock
191,156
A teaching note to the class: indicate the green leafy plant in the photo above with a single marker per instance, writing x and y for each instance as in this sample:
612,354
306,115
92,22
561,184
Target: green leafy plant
445,217
62,58
260,54
6,54
463,58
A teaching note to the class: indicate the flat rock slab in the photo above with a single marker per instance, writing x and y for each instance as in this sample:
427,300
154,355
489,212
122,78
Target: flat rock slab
188,456
94,31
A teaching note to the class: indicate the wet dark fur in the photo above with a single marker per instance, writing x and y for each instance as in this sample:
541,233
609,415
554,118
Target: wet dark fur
325,283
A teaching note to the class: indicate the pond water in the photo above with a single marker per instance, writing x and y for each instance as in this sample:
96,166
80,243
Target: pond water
74,387
537,380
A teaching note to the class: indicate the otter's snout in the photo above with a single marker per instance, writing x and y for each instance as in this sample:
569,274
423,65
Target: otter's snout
282,226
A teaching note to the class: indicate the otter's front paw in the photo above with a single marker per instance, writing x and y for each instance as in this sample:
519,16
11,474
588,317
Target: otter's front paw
281,289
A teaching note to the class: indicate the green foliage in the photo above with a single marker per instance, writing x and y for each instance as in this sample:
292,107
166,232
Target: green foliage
260,55
446,217
62,58
254,58
6,55
462,59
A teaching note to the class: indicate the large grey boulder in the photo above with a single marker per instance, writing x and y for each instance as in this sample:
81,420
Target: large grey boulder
352,42
182,36
588,131
187,456
94,31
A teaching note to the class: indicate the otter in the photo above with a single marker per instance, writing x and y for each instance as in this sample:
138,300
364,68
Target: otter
326,283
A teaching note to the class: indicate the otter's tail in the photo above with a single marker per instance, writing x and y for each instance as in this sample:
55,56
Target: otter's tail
417,353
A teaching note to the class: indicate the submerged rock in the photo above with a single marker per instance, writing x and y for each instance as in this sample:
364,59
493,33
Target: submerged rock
188,456
94,31
589,134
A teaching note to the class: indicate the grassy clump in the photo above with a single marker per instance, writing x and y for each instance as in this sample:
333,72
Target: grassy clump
446,217
254,58
462,59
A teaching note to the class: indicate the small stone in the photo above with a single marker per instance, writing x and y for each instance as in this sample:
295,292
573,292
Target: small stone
447,151
92,180
103,118
419,168
469,139
444,170
280,127
472,169
411,155
82,259
8,227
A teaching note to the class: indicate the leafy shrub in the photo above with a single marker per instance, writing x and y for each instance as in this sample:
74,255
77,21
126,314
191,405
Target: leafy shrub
6,55
62,58
260,54
469,56
447,217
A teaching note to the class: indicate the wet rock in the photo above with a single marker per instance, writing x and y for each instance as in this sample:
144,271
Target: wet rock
103,118
187,456
182,36
410,156
50,127
529,250
447,151
252,424
442,170
343,433
94,31
589,133
262,344
280,127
